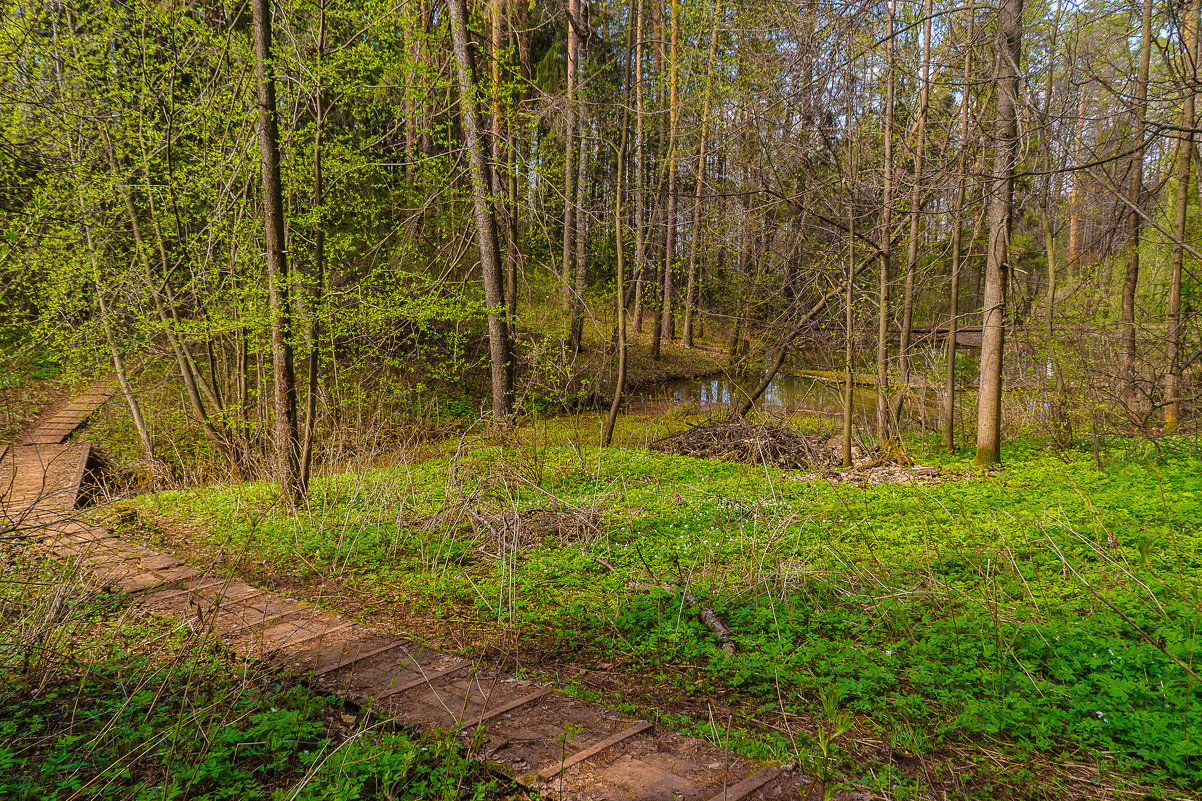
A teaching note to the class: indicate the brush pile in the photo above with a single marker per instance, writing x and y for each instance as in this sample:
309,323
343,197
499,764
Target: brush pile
734,439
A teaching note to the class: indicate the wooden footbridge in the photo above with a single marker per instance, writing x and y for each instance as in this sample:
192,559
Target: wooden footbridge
543,738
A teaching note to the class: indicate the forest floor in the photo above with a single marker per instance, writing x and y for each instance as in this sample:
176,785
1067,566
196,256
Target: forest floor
101,698
1030,633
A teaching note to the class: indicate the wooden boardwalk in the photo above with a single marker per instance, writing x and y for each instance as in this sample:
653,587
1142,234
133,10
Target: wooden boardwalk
541,737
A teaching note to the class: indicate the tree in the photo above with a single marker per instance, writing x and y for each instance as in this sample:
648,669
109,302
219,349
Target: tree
500,347
1185,149
1007,58
287,473
957,241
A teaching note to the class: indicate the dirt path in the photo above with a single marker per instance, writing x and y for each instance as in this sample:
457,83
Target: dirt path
541,737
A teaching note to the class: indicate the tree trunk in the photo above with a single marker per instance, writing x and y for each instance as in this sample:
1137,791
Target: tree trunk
1005,135
1074,224
284,391
916,202
1058,413
607,434
1185,149
667,321
690,302
1134,221
319,262
499,346
848,309
569,156
953,310
512,255
640,212
576,334
884,426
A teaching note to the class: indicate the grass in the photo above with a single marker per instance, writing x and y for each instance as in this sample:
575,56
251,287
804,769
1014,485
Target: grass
1033,630
100,700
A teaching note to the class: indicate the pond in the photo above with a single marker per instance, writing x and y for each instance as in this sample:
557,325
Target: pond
791,392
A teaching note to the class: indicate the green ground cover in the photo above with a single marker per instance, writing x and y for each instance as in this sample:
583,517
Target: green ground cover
1048,612
100,701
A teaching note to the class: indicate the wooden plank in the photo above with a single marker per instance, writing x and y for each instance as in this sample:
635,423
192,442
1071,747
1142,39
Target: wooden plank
290,643
161,573
503,708
187,590
593,750
359,657
749,785
260,622
425,679
220,599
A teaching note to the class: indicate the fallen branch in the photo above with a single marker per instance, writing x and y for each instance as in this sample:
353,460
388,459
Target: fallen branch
714,623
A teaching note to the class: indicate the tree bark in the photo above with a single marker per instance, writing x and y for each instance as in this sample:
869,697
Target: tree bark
916,202
953,310
640,213
319,262
884,426
569,156
667,320
607,434
1005,133
690,301
1074,224
1185,149
499,345
576,334
1127,352
284,426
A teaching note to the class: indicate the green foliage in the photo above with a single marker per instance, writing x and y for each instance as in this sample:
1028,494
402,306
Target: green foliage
143,710
957,612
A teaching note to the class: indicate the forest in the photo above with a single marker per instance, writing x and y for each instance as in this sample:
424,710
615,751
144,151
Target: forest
600,399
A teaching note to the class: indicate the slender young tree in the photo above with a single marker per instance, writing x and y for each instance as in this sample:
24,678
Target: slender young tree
884,425
957,243
319,255
1127,354
916,198
1185,149
607,434
691,284
667,320
640,212
570,153
583,162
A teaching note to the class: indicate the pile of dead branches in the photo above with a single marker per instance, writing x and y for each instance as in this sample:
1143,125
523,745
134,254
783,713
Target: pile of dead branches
736,440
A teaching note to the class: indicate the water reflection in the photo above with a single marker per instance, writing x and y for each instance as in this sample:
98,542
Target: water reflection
789,392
